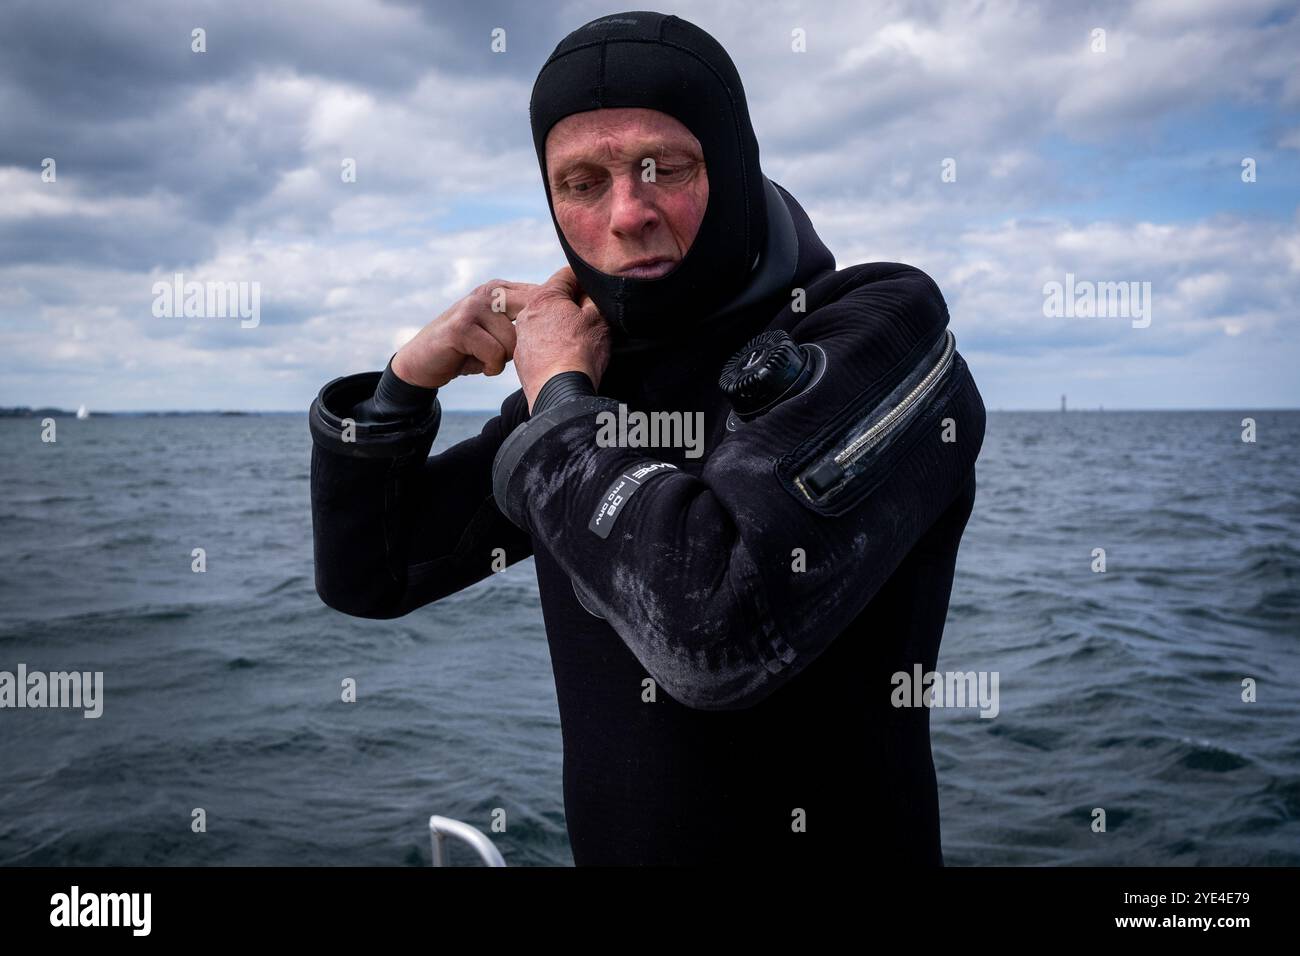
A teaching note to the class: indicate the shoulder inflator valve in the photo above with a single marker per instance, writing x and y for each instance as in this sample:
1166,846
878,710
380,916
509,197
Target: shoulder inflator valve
766,372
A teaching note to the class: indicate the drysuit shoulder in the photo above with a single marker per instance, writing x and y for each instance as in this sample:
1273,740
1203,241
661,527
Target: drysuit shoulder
889,301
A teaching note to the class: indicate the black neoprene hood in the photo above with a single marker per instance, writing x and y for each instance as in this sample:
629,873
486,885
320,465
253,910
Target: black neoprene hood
661,62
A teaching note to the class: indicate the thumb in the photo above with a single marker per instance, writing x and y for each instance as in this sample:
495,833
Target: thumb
590,309
566,282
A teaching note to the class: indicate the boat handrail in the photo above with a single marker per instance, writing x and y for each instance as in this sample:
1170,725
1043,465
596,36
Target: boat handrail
442,827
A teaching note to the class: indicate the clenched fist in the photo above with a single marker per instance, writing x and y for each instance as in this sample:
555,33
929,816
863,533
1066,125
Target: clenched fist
477,334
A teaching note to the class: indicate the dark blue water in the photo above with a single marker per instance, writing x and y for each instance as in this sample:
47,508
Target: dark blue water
1119,690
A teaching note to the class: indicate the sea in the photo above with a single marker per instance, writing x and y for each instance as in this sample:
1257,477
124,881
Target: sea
1132,578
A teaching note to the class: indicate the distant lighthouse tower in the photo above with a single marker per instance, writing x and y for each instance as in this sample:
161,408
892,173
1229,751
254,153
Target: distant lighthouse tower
1062,403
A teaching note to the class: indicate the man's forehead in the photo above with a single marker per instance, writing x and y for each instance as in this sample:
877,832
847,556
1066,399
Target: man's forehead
598,133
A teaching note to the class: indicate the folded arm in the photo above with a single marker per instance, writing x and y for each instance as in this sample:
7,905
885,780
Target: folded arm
727,584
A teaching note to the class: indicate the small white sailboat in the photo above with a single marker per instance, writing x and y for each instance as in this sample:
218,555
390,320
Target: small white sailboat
82,413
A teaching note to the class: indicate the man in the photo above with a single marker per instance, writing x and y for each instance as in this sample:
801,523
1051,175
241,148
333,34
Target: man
724,627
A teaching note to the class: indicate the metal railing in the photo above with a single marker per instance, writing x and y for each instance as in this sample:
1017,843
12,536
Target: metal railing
442,827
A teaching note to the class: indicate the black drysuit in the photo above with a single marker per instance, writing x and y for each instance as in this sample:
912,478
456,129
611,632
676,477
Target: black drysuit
723,632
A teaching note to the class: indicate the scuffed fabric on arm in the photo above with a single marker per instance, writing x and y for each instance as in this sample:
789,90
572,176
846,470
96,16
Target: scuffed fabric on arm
699,575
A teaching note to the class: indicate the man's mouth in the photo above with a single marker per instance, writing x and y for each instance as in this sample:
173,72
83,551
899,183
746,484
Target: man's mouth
651,268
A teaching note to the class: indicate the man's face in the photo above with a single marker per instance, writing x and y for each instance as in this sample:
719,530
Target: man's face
612,217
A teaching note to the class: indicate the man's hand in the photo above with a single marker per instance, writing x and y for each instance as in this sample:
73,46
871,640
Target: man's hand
559,330
470,337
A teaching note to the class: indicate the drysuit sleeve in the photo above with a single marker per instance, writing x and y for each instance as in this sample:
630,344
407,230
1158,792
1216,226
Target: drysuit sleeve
727,583
394,529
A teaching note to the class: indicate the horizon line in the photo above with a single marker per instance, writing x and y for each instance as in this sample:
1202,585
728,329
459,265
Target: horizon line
32,410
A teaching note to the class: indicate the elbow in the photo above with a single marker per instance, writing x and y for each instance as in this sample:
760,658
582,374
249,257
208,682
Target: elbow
738,688
731,671
714,647
370,603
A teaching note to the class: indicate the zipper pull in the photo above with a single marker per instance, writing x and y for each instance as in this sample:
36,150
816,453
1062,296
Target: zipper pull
823,478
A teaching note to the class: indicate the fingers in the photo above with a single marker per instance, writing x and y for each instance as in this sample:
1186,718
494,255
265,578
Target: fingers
494,307
502,328
485,347
517,295
507,298
469,366
488,336
565,282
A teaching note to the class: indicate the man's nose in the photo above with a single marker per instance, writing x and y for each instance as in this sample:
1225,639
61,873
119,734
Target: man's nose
633,211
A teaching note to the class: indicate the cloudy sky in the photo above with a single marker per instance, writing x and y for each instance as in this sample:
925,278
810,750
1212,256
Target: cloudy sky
1122,165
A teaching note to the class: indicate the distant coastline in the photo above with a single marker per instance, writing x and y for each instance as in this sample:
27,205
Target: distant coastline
24,411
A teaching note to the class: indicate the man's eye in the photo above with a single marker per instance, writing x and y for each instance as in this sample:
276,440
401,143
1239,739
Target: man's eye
672,171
